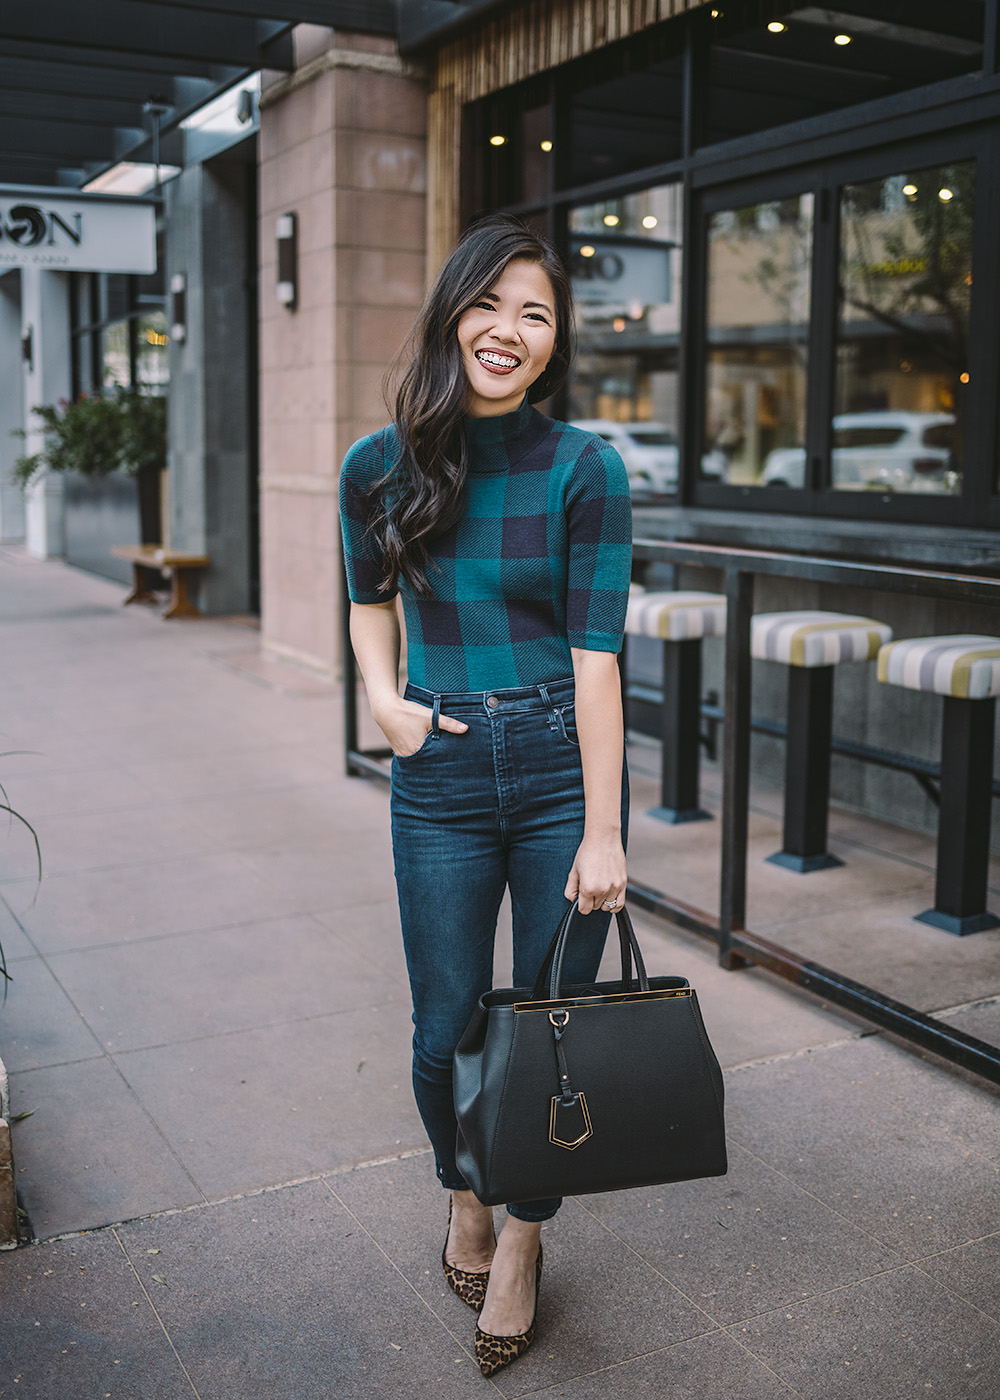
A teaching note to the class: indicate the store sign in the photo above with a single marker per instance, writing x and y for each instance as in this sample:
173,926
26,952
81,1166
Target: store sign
78,234
607,271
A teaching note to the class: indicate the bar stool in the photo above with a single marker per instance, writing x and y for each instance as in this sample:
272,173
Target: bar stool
811,645
966,671
680,620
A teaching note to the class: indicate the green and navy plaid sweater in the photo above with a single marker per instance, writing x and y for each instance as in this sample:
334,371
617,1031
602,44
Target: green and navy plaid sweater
539,562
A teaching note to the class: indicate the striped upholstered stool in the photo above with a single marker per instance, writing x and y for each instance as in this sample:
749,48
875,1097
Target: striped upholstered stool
966,671
811,644
680,620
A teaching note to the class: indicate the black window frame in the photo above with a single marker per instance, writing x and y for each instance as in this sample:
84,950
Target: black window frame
979,502
917,127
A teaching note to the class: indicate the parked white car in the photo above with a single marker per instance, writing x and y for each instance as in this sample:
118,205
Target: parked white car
649,451
879,451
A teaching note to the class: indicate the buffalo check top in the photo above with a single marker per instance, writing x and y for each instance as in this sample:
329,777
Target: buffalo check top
539,562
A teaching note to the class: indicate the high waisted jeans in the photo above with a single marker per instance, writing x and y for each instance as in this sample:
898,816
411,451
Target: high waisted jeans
472,813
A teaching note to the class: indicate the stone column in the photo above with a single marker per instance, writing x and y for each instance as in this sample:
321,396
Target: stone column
45,315
209,422
343,146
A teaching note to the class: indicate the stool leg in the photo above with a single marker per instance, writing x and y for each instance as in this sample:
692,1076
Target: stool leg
681,720
963,850
807,771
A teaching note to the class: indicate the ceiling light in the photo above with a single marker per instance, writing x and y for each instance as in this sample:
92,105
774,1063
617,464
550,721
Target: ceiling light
611,220
909,191
776,26
498,140
945,195
649,221
587,251
716,14
619,323
546,145
842,39
964,377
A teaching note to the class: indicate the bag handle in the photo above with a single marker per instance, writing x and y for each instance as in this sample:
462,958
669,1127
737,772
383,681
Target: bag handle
552,966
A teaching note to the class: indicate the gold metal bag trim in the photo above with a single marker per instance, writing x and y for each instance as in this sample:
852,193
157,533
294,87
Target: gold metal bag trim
559,1142
612,999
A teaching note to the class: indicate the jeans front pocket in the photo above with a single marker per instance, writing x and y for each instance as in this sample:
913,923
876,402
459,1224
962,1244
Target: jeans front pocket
429,740
565,717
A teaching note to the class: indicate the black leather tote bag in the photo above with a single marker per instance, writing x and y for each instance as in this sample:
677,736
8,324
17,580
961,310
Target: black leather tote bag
565,1090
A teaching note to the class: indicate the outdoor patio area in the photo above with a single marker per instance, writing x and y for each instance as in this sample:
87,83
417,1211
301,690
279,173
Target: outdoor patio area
225,1185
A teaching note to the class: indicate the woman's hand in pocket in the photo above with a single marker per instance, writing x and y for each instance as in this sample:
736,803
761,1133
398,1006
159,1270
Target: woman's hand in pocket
406,725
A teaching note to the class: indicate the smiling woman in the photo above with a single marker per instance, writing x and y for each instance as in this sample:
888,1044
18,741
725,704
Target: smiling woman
508,536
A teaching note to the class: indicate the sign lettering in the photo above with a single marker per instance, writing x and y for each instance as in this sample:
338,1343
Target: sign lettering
81,233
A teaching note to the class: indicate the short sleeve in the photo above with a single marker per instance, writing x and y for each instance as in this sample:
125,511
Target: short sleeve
599,525
363,466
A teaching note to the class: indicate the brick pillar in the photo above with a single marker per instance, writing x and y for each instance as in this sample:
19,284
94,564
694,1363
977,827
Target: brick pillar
343,146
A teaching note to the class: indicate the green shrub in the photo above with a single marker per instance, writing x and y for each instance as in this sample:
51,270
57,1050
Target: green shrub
96,434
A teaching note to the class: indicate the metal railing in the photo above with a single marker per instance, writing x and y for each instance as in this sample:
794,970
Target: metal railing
737,945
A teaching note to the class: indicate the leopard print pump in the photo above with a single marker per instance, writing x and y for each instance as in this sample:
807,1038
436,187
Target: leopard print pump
493,1353
470,1287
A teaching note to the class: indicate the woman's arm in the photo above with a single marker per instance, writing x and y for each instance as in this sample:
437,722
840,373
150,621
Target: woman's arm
375,637
598,872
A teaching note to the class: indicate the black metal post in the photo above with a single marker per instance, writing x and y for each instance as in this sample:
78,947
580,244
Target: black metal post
735,765
349,674
680,725
807,771
963,848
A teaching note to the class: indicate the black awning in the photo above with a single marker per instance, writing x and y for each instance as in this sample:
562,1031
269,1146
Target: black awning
75,78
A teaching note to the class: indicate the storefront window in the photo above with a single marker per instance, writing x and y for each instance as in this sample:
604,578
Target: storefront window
117,358
759,270
538,152
627,122
625,263
903,344
152,371
814,60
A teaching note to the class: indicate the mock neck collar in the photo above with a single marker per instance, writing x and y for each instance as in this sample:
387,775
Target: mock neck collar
500,431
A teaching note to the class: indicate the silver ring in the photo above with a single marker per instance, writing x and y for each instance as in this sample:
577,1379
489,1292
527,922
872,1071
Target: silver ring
610,904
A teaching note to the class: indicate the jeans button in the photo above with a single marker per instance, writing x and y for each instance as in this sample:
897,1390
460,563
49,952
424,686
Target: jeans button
492,701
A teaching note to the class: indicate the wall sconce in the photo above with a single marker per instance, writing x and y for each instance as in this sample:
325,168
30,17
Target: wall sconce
288,272
28,349
178,307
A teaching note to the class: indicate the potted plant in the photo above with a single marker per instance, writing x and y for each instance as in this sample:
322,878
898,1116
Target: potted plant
97,434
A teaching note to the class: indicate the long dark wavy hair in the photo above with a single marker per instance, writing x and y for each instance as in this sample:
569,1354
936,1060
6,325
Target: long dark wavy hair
423,493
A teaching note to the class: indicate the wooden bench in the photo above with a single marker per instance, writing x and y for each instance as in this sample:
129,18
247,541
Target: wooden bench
155,558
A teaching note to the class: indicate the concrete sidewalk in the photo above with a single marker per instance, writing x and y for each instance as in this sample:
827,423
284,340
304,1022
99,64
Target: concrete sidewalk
227,1187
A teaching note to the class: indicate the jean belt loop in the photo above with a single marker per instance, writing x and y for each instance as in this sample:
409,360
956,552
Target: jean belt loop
436,716
550,710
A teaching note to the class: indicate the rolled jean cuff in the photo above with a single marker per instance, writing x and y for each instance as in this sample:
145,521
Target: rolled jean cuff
532,1212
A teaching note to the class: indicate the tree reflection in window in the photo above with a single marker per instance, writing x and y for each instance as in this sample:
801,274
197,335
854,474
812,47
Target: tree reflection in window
759,272
903,342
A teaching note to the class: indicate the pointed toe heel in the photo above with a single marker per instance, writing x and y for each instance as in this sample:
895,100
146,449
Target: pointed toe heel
493,1353
469,1286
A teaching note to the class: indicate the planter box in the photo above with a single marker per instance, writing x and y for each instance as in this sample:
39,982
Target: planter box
103,511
